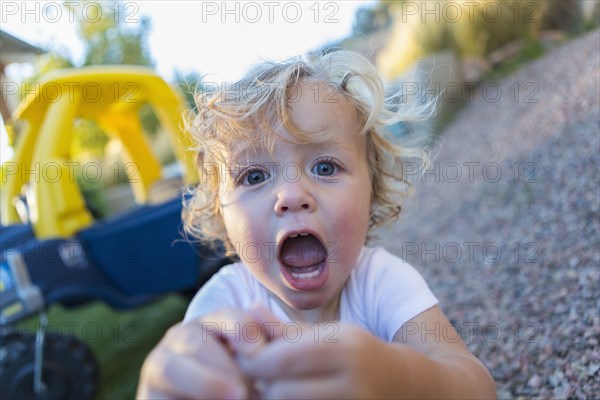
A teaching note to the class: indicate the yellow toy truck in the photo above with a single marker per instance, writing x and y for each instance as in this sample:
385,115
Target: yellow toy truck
53,250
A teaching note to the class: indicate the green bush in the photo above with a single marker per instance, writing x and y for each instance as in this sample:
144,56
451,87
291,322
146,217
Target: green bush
470,29
493,24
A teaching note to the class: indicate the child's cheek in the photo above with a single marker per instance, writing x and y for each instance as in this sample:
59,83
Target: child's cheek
353,219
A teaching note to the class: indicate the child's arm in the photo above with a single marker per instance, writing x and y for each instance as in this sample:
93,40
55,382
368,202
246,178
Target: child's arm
440,364
197,361
361,365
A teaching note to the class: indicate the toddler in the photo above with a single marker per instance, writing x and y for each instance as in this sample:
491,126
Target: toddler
295,172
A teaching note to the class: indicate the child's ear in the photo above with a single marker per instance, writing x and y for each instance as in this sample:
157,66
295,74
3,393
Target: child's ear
199,158
230,248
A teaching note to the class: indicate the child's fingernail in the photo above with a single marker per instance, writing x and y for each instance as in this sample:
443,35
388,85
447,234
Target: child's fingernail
247,348
236,393
257,308
262,313
243,362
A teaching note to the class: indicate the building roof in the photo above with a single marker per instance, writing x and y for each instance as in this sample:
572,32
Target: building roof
16,50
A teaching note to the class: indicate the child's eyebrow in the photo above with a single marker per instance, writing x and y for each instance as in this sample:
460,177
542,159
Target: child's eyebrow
244,155
334,145
247,153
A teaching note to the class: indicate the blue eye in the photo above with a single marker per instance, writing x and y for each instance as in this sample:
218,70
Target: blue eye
254,177
324,168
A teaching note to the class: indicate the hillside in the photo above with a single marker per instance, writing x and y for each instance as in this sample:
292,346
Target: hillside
511,247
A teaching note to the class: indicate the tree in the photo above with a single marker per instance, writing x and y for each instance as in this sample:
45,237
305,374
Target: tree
368,19
110,40
189,83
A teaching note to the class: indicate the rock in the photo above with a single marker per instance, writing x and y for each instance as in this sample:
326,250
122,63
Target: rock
534,382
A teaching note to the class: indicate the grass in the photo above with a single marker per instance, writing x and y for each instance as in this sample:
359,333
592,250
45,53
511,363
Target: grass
120,340
532,50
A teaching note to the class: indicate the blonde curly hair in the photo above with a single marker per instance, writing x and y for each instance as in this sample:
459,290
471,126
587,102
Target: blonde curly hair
254,109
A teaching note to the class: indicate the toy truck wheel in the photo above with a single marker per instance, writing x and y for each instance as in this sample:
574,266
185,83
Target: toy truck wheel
69,371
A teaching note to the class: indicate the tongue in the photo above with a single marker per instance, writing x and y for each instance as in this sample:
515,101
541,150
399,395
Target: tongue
302,251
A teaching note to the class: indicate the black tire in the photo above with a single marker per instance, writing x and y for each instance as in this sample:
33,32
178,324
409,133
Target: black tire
69,371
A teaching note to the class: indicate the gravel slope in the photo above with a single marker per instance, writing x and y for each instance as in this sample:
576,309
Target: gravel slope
515,257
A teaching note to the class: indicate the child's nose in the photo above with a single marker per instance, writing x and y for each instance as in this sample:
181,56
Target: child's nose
293,197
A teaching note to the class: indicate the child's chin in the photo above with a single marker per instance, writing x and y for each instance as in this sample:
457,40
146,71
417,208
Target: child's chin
305,301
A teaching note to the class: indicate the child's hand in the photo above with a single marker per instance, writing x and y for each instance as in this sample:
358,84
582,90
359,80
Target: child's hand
352,363
330,360
197,360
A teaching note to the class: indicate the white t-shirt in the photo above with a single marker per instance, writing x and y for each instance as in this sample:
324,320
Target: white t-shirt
382,293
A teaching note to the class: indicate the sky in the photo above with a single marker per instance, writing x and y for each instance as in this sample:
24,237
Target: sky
217,39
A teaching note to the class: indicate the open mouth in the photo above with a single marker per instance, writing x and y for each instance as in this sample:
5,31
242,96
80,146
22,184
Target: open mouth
303,259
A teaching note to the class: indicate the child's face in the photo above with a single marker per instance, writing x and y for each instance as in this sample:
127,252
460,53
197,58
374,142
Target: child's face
298,216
